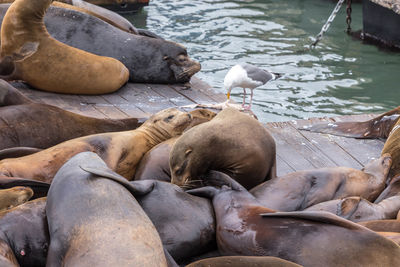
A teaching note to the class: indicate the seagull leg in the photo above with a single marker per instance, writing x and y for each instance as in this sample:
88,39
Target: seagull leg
251,98
244,96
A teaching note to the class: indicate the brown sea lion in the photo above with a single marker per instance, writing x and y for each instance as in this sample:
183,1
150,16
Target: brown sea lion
94,10
14,196
232,142
358,209
392,189
392,146
382,225
246,228
28,51
378,127
155,163
299,190
16,152
395,237
240,261
121,151
25,123
95,221
24,233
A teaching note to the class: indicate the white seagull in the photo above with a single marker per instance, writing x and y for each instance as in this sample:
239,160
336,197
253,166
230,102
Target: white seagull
247,76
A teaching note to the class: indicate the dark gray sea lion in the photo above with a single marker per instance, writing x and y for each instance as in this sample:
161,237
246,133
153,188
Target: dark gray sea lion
378,127
150,60
122,151
24,233
25,123
299,190
95,221
155,163
358,209
245,227
232,142
240,261
186,223
14,196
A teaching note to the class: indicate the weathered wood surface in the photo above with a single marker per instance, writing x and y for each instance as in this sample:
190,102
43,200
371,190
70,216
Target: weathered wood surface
296,150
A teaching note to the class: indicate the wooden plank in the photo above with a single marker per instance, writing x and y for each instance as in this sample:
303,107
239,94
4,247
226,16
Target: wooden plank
362,150
173,96
282,167
193,94
125,106
144,98
207,89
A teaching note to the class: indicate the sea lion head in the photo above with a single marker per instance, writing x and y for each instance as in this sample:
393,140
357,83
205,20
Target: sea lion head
182,67
15,196
379,167
167,123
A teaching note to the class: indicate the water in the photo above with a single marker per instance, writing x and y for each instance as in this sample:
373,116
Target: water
341,76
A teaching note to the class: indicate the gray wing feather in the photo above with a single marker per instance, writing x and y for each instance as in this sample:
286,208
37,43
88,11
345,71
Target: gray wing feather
256,74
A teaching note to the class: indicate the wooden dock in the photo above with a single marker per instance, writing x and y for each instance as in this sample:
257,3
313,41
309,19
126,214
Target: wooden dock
296,150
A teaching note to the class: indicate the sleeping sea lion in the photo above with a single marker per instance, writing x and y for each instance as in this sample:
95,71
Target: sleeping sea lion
240,261
155,163
28,51
24,233
25,123
14,196
302,189
94,221
232,142
246,228
382,225
392,146
104,14
358,209
392,189
378,127
149,59
121,151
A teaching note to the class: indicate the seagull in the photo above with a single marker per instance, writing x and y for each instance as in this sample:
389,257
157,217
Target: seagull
247,76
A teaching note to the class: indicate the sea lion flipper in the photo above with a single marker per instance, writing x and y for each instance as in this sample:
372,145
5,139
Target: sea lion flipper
348,206
318,216
206,191
40,189
10,95
137,189
27,50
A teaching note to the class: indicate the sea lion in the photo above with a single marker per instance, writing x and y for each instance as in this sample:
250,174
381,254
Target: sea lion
392,189
155,163
382,225
16,152
14,196
358,209
299,190
104,14
240,261
246,228
121,151
28,51
186,223
149,60
232,142
378,127
95,221
24,232
392,146
39,188
29,124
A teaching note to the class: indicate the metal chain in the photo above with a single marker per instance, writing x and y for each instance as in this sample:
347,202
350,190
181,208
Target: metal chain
348,18
328,23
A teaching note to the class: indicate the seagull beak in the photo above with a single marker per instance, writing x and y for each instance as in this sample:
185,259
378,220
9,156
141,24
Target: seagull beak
228,95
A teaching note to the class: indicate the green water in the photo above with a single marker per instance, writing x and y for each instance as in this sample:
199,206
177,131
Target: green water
341,76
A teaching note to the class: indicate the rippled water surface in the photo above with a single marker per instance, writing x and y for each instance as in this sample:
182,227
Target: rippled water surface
340,76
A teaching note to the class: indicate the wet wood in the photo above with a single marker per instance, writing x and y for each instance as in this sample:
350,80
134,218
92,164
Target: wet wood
296,149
